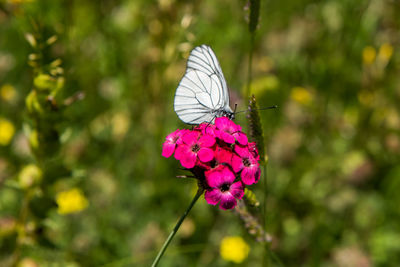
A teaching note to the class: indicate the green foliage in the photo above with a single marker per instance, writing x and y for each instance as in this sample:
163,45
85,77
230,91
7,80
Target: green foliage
88,89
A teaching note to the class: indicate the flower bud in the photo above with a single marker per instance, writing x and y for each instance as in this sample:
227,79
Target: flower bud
44,82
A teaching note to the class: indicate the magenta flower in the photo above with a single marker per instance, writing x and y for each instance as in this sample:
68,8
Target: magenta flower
229,131
222,189
253,150
195,146
221,156
170,143
218,155
245,162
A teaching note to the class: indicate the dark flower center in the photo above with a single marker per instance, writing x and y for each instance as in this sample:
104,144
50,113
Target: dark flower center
246,162
225,187
213,164
195,148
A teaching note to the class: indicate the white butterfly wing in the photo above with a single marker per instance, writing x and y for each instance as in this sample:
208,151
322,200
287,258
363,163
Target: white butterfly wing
203,88
202,58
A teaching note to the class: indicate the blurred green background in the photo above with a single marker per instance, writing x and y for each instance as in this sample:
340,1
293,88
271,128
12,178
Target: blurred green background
333,144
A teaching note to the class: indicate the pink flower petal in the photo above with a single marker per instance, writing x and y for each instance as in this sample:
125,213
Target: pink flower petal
241,138
181,133
204,165
211,170
168,149
227,202
253,150
238,128
222,122
237,163
249,175
227,137
190,137
207,128
237,190
174,136
188,160
223,155
214,178
205,154
206,141
181,151
212,196
242,151
227,175
210,130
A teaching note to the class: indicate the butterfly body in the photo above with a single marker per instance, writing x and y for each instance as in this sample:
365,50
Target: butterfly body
202,95
228,112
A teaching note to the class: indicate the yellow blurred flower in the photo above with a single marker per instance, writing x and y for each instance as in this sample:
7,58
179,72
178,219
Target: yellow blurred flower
392,119
34,139
366,98
266,158
29,175
187,229
352,160
27,262
234,248
7,131
120,125
261,85
165,4
385,52
99,124
8,93
301,96
263,64
155,27
71,201
369,55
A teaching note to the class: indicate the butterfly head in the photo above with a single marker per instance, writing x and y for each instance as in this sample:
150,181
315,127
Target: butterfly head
226,113
230,115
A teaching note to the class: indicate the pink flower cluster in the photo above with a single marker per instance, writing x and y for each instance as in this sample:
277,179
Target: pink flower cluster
220,156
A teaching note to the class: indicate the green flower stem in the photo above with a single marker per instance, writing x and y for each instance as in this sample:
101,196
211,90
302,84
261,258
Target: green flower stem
264,211
176,228
249,67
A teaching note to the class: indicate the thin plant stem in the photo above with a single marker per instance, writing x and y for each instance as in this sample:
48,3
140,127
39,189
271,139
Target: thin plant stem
264,212
131,260
176,228
265,188
249,69
275,258
272,256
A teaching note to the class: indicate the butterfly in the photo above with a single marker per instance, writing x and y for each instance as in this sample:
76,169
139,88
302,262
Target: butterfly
202,94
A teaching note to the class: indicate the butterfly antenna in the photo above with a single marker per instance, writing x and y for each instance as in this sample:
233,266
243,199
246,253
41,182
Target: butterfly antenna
271,107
